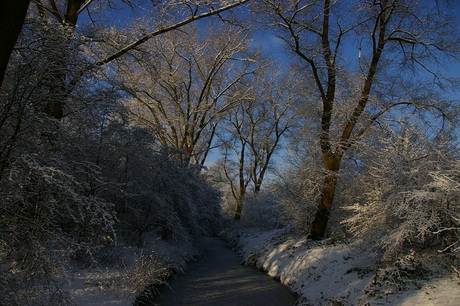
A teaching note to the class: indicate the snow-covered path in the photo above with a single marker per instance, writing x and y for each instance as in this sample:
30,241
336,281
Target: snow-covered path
217,278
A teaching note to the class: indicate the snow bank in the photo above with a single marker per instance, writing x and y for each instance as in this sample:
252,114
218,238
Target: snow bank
125,273
327,273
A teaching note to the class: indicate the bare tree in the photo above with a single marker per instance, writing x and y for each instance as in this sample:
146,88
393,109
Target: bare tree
399,37
168,16
254,129
181,87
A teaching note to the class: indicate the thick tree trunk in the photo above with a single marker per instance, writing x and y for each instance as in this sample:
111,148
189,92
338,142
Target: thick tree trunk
60,90
319,224
240,200
239,209
12,15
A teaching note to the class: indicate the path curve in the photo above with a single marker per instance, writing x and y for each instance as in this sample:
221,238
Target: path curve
217,278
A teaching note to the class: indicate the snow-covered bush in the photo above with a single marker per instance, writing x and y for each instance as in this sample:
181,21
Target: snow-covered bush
71,187
262,211
411,198
164,197
298,193
153,269
396,277
47,219
151,193
49,215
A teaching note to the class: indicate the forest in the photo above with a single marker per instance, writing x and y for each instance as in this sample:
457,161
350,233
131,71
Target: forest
131,128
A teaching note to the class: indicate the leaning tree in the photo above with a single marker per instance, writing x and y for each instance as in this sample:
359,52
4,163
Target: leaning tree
377,44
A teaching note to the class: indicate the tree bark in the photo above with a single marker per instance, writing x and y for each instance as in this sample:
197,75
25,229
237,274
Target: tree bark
55,107
319,224
239,209
242,193
12,16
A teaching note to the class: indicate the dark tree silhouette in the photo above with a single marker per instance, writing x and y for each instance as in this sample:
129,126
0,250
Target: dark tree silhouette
12,15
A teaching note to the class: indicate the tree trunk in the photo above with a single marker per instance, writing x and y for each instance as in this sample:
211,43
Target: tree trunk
240,203
242,190
239,209
59,89
12,15
319,224
241,197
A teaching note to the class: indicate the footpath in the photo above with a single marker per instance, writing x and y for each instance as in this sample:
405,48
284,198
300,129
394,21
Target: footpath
217,278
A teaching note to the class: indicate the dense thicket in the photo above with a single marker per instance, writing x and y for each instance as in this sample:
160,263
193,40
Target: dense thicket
71,187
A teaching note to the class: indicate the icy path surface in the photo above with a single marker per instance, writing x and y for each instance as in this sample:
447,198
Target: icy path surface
217,278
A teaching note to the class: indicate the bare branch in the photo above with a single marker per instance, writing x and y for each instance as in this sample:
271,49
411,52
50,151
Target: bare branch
168,29
84,6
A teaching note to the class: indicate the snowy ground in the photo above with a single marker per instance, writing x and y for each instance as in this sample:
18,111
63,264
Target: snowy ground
322,273
326,273
124,272
97,289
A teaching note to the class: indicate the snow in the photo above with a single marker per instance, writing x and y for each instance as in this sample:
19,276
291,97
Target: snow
124,272
94,289
436,292
328,273
321,273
